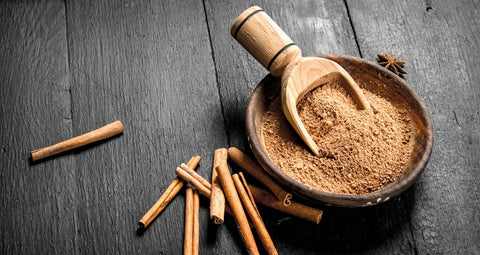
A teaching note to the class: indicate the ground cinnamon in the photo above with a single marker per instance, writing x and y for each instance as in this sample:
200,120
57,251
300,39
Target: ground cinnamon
361,152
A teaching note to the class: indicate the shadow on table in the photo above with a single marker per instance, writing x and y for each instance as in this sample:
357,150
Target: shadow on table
346,229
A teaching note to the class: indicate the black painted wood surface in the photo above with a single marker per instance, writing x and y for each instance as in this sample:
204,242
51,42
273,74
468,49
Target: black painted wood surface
170,71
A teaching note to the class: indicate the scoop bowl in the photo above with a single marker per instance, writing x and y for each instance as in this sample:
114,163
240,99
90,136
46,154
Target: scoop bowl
362,71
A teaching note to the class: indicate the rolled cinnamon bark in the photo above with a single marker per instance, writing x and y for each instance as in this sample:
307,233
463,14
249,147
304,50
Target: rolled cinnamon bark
196,223
196,176
104,132
193,181
266,198
167,196
255,170
252,211
237,209
263,197
188,238
217,199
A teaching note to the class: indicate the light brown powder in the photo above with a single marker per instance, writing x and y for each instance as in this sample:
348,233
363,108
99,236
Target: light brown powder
361,152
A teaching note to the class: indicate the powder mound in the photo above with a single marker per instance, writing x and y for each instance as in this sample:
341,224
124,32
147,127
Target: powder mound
360,152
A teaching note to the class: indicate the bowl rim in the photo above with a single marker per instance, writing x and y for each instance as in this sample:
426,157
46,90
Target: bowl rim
349,200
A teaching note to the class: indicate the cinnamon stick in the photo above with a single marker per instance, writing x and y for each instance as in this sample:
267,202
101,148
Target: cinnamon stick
104,132
302,211
236,205
217,199
167,196
245,184
193,181
198,185
262,197
196,176
188,238
255,170
250,207
196,223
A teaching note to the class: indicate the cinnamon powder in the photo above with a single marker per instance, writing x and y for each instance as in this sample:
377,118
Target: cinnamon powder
360,152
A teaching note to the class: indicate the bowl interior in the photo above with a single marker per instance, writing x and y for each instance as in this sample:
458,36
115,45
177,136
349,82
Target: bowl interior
362,71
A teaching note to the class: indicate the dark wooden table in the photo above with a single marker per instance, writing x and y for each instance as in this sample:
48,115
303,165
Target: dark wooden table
170,71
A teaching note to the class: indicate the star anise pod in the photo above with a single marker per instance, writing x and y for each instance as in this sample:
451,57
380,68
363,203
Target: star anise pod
392,64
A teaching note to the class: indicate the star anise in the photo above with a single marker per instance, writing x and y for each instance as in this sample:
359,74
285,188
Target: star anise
392,64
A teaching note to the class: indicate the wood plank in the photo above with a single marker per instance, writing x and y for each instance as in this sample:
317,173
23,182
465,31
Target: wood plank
317,27
148,64
37,200
439,41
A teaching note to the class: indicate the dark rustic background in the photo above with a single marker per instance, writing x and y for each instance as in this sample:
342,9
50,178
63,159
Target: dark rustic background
170,71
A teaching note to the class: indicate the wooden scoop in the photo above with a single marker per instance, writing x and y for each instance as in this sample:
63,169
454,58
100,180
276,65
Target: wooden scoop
267,42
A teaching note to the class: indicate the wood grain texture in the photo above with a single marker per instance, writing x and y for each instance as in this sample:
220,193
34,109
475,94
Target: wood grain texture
170,71
149,65
439,42
37,201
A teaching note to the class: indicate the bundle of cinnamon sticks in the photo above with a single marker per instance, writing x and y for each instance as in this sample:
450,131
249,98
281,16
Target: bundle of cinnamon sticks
233,195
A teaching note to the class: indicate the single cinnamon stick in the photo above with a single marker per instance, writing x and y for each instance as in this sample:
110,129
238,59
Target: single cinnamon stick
196,176
217,199
236,205
167,196
245,184
193,181
302,211
255,170
252,211
196,223
188,238
104,132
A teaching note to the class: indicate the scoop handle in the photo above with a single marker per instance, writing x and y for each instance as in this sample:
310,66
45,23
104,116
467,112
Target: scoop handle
265,40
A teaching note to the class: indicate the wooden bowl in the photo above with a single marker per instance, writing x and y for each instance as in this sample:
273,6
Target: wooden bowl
361,71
